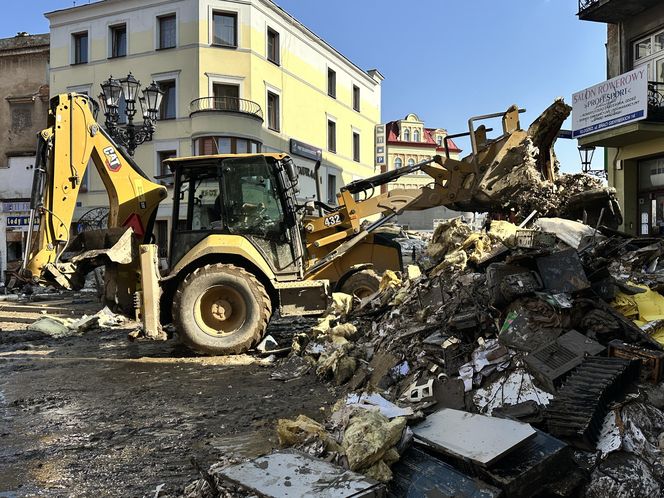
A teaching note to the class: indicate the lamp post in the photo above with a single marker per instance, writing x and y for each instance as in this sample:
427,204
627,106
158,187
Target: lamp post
129,135
586,153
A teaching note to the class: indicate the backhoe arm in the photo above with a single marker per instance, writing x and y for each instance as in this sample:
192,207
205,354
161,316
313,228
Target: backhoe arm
73,139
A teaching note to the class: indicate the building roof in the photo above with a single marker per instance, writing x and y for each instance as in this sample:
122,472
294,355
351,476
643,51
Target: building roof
392,132
23,41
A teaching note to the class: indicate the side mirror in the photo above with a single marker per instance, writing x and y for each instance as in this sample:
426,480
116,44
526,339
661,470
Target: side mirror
291,171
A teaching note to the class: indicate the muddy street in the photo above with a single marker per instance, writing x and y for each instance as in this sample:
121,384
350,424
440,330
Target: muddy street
98,415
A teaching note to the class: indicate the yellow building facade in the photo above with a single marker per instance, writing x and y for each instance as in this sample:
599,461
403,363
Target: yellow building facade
239,75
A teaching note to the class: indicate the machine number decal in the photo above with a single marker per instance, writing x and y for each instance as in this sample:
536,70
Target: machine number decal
330,221
112,161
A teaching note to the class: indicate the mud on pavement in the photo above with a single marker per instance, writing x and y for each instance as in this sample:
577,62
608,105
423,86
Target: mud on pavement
98,415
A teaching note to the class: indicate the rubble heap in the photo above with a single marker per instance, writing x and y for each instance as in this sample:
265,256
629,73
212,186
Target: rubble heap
546,340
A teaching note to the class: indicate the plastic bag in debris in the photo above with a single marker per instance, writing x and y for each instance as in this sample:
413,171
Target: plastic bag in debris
109,319
378,403
345,330
341,303
54,327
389,281
448,236
504,231
369,436
454,261
293,432
413,272
642,308
380,471
337,365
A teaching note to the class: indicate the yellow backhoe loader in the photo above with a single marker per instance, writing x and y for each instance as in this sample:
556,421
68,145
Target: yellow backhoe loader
241,247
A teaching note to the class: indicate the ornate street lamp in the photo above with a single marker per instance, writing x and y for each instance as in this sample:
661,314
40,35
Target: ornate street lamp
586,153
129,135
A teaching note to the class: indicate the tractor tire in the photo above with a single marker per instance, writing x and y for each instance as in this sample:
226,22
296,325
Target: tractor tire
361,284
221,309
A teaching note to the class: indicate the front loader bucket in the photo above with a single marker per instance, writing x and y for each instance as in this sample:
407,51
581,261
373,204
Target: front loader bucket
116,249
518,172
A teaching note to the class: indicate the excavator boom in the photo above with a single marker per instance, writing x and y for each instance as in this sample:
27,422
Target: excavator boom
72,140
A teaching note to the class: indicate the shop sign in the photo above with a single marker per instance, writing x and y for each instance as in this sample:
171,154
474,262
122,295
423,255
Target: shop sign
304,171
305,150
13,207
19,221
615,102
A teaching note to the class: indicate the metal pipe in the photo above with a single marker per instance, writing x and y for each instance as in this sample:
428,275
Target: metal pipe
471,127
316,170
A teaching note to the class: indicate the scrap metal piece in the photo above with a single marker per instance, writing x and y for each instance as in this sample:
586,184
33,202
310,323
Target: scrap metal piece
552,363
292,473
420,475
576,414
562,272
469,436
652,362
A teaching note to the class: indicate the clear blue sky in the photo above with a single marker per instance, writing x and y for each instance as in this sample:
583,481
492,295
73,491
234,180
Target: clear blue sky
443,60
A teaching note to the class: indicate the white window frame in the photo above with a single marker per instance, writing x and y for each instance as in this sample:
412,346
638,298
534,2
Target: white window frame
359,152
336,173
226,79
238,29
279,35
328,68
72,52
173,75
280,116
354,85
165,13
330,117
86,88
161,146
109,35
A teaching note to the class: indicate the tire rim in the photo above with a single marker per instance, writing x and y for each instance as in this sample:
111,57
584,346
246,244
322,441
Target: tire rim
363,291
220,311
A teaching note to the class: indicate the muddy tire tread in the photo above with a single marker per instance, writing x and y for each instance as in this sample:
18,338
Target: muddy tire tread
265,304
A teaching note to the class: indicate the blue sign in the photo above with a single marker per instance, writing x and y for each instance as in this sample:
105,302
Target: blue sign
18,221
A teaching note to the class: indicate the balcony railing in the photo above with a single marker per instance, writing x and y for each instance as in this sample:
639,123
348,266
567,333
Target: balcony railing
584,4
226,104
656,101
612,11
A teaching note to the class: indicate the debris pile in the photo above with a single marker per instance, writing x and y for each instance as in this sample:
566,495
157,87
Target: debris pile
545,343
64,327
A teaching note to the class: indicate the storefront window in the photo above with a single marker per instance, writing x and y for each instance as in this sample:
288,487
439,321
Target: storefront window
651,196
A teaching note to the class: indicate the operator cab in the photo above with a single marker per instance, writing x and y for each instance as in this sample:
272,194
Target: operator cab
253,196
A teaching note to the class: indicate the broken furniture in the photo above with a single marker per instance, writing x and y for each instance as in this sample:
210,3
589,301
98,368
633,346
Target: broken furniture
652,362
